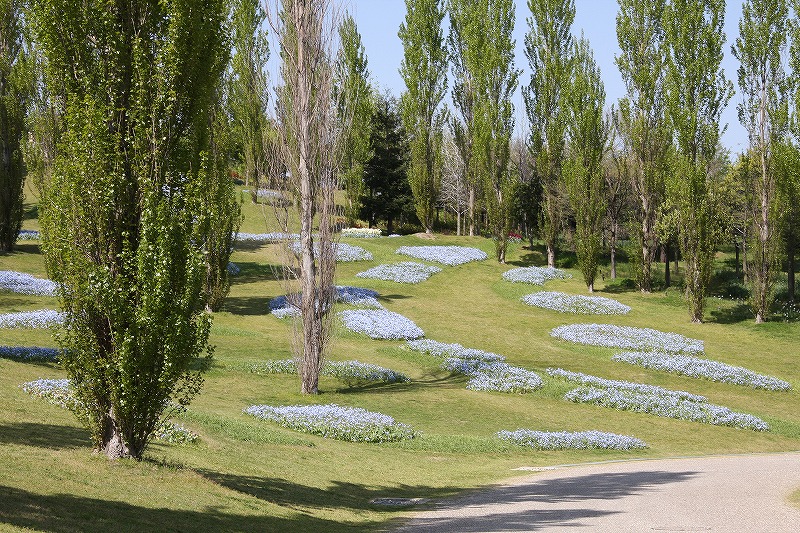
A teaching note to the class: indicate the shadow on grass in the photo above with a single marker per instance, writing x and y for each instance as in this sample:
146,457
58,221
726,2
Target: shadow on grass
23,247
451,381
540,494
44,436
620,285
731,315
251,272
246,305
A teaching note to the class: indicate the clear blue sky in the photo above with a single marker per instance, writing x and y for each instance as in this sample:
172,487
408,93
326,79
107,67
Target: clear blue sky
379,20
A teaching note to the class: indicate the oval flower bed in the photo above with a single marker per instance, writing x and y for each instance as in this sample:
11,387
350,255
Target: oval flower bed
405,272
380,324
627,337
352,424
29,353
23,283
586,379
535,275
453,351
562,440
361,233
568,303
344,370
345,253
266,237
446,255
287,306
43,318
702,368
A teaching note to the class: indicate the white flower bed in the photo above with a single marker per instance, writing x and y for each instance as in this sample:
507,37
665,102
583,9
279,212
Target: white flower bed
344,370
568,303
332,421
43,318
267,237
380,324
453,351
447,255
666,406
22,283
644,339
562,440
286,306
702,368
404,272
29,353
361,233
59,392
28,235
585,379
345,253
535,275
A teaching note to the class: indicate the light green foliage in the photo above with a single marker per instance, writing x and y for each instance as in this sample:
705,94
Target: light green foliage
641,121
424,71
763,112
15,91
354,102
583,171
122,218
697,92
549,47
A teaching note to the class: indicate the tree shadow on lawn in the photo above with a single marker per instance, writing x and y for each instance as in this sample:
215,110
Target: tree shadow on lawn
251,272
451,381
731,315
246,305
23,247
608,486
48,436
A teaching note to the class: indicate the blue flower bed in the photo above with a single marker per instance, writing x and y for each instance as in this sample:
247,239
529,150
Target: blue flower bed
534,275
344,370
288,306
43,318
351,424
568,303
22,283
28,235
667,406
405,272
345,253
446,255
380,324
702,368
586,379
563,440
644,339
30,353
233,269
266,237
453,351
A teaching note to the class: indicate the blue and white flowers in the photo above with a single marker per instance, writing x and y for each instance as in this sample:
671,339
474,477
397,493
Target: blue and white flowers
534,275
644,339
28,235
453,351
288,306
332,421
586,379
233,269
22,283
345,253
43,318
568,303
404,272
446,255
267,237
351,371
702,368
361,233
29,353
561,440
380,324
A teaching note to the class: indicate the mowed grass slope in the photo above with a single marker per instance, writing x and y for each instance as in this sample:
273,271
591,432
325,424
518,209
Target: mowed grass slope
248,475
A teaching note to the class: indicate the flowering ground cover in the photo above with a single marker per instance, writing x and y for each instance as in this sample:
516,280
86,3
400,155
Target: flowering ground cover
345,253
404,272
702,368
628,337
22,283
446,255
28,235
535,275
361,233
562,440
233,269
332,421
29,353
453,351
585,379
287,306
380,324
569,303
350,371
266,237
43,318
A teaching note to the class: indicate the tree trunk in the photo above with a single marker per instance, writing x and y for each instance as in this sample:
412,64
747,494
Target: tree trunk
458,223
551,255
113,445
665,259
613,245
471,211
736,261
790,250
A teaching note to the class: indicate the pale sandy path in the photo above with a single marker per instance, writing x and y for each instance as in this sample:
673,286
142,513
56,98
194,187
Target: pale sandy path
745,493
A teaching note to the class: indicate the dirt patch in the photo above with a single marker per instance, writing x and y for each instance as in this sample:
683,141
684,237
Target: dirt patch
426,236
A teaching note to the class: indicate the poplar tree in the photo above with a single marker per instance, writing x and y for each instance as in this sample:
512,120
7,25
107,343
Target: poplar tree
764,113
15,89
548,47
641,119
584,174
697,92
122,214
424,71
354,105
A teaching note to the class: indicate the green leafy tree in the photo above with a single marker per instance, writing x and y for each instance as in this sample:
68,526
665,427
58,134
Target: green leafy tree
121,216
15,91
697,92
641,120
548,47
583,171
764,113
424,71
354,103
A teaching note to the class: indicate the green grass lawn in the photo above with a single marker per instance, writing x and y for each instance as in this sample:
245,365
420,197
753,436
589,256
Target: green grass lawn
248,475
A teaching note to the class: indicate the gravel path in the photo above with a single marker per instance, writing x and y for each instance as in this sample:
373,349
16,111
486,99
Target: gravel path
744,493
